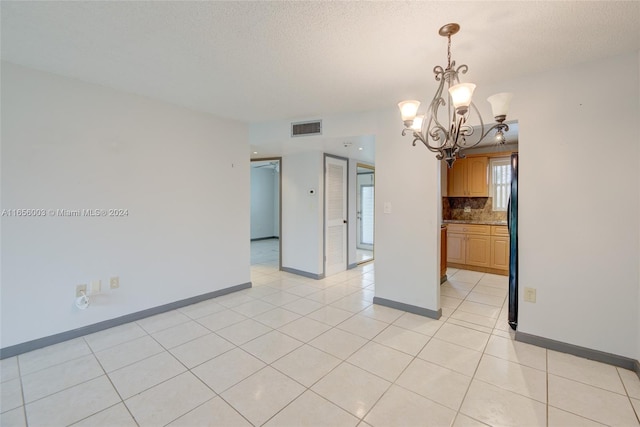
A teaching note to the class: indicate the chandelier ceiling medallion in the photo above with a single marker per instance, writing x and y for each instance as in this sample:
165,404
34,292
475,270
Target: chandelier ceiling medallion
450,139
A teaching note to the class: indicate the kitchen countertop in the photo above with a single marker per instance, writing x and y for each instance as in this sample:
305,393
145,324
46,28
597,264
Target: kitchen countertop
477,221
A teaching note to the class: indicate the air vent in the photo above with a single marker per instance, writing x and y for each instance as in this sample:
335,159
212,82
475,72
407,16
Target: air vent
306,128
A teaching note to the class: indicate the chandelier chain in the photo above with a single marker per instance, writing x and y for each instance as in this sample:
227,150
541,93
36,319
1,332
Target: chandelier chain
449,51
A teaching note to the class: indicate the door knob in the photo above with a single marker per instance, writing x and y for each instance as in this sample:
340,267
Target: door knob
344,221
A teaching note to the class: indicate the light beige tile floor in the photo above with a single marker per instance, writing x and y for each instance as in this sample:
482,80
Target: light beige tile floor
292,351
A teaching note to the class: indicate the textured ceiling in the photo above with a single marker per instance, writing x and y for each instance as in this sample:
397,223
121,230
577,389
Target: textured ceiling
258,61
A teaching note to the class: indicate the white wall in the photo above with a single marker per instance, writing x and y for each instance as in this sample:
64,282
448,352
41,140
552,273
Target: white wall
263,208
579,204
71,145
408,238
302,220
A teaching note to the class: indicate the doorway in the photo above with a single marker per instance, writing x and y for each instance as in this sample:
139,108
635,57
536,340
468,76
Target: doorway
266,218
335,214
365,214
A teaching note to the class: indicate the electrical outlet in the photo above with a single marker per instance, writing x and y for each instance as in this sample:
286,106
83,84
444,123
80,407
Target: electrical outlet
80,289
467,209
114,282
530,294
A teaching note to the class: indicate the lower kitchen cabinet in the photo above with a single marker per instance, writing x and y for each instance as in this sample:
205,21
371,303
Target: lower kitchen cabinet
478,250
468,244
455,247
478,247
500,247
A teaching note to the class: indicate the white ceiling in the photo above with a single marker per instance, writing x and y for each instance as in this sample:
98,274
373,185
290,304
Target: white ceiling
259,61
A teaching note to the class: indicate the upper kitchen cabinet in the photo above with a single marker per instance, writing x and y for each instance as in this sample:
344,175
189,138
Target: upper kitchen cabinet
468,177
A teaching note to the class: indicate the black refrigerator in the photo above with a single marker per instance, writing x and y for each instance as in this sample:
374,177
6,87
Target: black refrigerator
512,221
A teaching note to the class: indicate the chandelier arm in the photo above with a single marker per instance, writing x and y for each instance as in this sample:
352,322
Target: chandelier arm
436,132
469,130
462,69
439,72
424,134
419,137
498,126
435,129
437,100
433,117
457,130
483,134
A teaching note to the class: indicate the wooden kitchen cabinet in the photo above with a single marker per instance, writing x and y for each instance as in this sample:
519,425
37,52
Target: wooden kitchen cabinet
468,244
478,247
478,250
457,179
468,177
455,247
500,253
500,248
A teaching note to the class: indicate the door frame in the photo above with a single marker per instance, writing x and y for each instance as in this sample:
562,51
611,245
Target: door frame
280,237
373,169
324,212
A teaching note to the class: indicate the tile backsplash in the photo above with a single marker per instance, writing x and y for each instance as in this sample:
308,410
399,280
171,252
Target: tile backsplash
453,208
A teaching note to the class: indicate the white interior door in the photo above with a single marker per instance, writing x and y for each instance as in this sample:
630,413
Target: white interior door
335,242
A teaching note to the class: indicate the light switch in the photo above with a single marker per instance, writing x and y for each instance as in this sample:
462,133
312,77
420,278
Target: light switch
387,207
96,287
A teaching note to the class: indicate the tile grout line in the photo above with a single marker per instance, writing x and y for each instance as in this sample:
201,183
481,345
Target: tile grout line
24,402
303,344
60,390
270,364
475,371
115,345
83,382
341,361
112,385
392,383
589,385
546,361
624,386
164,350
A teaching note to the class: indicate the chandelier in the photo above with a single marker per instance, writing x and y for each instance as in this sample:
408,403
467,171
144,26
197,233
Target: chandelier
450,139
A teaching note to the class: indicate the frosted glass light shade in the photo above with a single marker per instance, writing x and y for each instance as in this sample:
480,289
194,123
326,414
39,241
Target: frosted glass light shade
500,103
417,123
461,94
408,109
